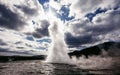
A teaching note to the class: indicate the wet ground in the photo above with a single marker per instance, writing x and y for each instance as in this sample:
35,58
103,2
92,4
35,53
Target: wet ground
38,67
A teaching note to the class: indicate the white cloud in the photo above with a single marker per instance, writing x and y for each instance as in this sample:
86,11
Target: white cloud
79,8
111,16
17,42
23,11
104,27
54,4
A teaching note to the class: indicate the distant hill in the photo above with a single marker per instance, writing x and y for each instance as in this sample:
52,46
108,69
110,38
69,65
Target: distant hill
111,48
104,49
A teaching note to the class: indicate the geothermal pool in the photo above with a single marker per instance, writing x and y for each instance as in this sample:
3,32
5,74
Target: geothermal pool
93,65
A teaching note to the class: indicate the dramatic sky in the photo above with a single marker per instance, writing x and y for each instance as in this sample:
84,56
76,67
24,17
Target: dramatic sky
24,23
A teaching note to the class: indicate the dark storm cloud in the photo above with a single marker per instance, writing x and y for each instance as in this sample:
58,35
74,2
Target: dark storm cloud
16,52
43,30
86,32
10,19
2,30
26,9
19,15
18,42
2,43
112,23
28,45
77,41
3,50
100,30
20,47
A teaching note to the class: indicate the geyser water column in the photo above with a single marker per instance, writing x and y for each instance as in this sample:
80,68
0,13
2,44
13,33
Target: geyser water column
58,50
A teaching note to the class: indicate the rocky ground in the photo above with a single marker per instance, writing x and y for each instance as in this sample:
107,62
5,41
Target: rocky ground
39,67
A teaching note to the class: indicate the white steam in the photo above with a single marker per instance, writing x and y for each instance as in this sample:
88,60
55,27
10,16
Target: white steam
95,62
58,48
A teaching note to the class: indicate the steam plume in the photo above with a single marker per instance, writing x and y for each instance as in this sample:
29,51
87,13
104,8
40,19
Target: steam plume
57,51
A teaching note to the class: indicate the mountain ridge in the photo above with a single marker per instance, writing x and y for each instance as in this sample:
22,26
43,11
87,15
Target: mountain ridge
104,49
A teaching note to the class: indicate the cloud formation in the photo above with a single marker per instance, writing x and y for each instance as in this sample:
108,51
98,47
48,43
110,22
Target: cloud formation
16,43
102,25
34,18
18,15
9,19
79,8
42,30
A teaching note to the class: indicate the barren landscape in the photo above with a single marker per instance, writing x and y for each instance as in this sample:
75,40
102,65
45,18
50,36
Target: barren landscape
83,67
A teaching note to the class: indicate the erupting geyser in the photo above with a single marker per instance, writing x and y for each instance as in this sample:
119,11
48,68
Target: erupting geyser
58,48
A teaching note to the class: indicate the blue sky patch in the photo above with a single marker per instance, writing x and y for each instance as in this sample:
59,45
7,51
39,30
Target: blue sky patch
98,11
43,1
65,13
